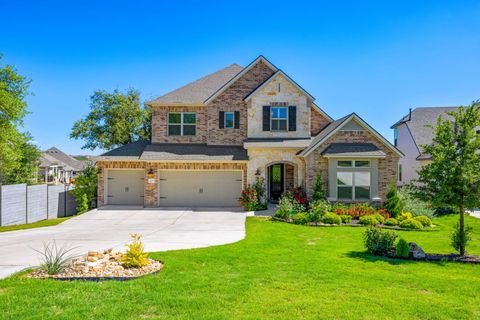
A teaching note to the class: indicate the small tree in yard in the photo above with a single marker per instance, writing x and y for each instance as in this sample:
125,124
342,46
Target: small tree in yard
318,191
452,178
393,204
85,187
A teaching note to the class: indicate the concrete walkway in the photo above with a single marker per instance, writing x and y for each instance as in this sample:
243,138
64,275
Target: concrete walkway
162,230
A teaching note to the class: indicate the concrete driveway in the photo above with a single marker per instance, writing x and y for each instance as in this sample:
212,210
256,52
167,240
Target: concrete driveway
162,230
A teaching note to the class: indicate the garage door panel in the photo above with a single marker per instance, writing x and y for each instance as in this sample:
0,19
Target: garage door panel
200,188
125,187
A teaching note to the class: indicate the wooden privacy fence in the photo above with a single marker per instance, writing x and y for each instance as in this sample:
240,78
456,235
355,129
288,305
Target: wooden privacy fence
21,204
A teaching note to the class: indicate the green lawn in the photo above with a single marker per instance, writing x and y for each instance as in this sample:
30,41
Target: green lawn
39,224
280,271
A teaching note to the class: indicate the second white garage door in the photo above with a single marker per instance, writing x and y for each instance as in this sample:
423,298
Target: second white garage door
200,188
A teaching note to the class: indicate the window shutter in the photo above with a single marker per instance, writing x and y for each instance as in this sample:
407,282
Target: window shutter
266,118
237,119
221,119
292,118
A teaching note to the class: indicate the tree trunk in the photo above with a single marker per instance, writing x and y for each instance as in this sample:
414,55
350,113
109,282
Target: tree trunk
462,230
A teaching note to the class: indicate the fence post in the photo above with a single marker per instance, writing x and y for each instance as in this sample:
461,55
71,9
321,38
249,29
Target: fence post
65,188
26,203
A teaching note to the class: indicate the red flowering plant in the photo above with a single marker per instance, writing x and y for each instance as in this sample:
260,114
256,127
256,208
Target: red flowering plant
252,197
299,194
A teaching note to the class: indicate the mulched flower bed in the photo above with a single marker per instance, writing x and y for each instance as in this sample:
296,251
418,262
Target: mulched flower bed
96,266
356,223
452,257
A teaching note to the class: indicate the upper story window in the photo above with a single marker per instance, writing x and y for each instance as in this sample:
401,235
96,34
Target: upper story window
229,120
395,137
279,118
182,123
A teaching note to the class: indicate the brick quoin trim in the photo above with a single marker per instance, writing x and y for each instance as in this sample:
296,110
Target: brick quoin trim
150,190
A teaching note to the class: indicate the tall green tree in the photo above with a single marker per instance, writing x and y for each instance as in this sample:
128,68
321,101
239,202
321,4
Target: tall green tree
18,156
115,119
452,178
318,191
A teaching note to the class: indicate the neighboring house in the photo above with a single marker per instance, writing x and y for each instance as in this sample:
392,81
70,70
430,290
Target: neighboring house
410,133
58,167
213,137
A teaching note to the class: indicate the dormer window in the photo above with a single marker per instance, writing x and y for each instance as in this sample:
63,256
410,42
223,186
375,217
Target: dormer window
279,118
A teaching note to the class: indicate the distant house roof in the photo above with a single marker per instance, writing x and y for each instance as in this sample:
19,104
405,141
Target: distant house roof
55,156
198,91
420,119
353,149
144,150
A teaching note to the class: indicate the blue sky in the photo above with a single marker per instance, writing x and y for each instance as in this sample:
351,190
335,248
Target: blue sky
377,58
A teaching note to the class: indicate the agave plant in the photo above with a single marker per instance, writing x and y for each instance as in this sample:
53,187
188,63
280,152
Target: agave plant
54,258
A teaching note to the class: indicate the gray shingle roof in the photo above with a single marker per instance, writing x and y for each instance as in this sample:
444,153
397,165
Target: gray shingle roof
64,159
200,90
421,117
359,149
143,150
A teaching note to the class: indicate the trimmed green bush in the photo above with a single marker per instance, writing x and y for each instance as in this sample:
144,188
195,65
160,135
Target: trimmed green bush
301,218
318,208
331,218
404,216
393,203
379,218
424,220
288,206
378,242
346,218
369,220
411,224
391,222
402,248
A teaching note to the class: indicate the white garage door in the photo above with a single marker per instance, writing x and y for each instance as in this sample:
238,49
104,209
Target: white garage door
125,187
200,188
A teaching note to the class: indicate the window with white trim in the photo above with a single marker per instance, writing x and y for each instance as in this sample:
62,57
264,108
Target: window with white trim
229,122
278,118
354,184
182,123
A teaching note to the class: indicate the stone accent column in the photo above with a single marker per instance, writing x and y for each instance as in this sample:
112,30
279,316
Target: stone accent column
101,185
151,187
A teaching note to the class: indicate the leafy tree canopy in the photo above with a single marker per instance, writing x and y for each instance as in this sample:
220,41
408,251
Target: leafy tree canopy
115,119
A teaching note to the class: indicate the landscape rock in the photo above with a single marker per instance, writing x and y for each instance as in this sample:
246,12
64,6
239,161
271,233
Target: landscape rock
416,251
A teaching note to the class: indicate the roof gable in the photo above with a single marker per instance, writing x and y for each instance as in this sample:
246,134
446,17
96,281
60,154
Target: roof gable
337,125
260,59
277,74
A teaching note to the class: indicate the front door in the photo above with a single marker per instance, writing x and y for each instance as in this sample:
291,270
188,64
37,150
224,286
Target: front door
276,181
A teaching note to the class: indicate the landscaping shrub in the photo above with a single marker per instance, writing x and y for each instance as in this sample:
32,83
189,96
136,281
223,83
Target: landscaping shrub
412,204
460,239
331,218
288,206
384,213
391,222
346,218
55,259
402,249
299,194
318,191
369,220
379,218
411,224
249,199
393,204
82,203
86,187
135,257
378,242
301,218
355,210
318,208
425,221
404,216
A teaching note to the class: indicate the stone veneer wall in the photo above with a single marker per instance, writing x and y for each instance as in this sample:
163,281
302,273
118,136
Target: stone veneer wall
232,100
160,125
387,167
317,121
151,190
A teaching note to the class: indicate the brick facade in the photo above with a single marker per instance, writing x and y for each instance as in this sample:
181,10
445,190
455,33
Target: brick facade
151,172
387,167
232,100
317,121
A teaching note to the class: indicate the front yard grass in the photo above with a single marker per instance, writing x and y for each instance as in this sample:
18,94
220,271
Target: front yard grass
38,224
280,271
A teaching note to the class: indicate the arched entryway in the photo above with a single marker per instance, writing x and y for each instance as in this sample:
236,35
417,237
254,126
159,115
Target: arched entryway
280,179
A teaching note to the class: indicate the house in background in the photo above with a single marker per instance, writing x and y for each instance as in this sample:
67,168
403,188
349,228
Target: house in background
410,133
58,167
213,137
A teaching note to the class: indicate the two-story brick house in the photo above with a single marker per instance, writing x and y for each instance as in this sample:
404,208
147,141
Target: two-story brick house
214,136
